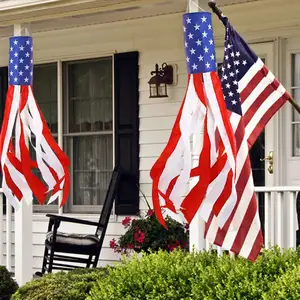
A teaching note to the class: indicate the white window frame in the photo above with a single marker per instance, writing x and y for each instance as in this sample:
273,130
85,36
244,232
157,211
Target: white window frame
59,61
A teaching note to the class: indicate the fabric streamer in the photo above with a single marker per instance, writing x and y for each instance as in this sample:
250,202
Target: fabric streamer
25,134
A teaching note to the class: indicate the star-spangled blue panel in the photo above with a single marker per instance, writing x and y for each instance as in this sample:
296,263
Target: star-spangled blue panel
20,65
238,60
199,42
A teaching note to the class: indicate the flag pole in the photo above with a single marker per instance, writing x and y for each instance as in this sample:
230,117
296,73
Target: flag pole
216,9
23,215
197,241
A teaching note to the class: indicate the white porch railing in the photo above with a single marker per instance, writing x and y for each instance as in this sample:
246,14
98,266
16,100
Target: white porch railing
5,234
280,221
279,216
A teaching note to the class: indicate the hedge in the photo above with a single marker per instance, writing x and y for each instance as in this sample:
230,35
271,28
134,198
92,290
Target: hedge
285,287
206,276
74,285
176,276
7,285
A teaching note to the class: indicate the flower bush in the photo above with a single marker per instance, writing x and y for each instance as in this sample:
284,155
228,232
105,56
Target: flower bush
146,233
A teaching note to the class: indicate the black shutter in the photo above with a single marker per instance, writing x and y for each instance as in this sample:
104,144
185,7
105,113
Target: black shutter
3,91
126,72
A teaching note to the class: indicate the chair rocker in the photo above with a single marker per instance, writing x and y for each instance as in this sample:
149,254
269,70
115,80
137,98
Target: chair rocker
86,247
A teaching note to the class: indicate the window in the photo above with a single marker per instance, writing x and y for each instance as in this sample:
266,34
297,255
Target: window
45,92
295,115
88,131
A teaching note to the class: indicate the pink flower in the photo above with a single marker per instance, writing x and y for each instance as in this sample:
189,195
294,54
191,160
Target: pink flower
139,236
185,244
130,246
171,247
150,213
126,221
112,244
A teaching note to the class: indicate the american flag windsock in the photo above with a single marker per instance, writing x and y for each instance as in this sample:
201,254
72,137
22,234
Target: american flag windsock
252,95
201,115
23,116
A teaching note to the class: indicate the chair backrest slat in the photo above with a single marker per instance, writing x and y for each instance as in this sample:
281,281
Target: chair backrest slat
109,199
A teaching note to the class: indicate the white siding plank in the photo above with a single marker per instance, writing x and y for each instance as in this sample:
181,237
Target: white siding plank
147,163
159,110
157,123
154,136
151,150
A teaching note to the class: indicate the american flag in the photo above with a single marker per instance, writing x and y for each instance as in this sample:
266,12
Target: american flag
203,110
252,95
23,117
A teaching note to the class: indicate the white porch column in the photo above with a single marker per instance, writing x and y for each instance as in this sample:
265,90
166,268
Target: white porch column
23,219
197,226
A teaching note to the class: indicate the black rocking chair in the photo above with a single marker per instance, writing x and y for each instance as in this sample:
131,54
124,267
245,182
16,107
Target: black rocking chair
86,247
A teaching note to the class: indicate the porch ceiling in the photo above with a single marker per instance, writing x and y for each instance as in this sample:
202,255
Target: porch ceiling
55,14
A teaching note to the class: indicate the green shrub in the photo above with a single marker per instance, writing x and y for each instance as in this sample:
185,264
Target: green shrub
74,285
155,276
285,287
239,279
178,275
7,285
206,276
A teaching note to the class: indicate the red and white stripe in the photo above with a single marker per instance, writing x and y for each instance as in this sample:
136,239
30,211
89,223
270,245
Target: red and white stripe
262,96
203,110
19,182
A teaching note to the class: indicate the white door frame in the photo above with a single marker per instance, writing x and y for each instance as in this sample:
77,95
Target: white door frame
291,165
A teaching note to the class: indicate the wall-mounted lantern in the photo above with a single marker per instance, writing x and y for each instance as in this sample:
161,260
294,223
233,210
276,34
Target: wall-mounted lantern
158,83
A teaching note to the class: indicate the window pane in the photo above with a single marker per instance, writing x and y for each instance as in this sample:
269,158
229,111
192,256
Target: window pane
90,95
296,96
296,139
45,92
296,70
92,168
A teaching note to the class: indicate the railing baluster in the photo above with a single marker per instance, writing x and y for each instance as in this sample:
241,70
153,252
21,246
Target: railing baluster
278,232
8,235
1,230
220,251
207,245
267,220
291,243
272,219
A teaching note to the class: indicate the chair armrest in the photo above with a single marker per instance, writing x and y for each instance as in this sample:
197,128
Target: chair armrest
71,220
